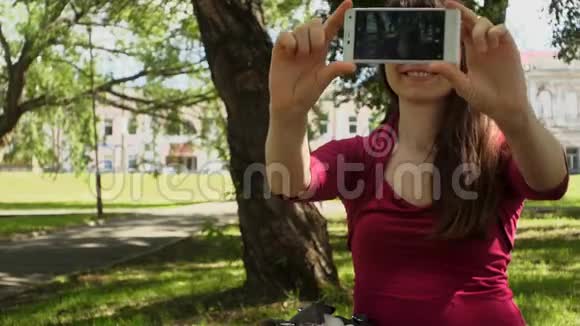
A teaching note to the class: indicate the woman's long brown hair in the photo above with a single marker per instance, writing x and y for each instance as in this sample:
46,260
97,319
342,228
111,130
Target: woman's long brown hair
465,137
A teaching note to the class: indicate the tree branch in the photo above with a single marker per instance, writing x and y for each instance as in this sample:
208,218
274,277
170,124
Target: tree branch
73,65
6,49
145,72
46,100
47,35
93,24
180,101
152,113
102,48
131,98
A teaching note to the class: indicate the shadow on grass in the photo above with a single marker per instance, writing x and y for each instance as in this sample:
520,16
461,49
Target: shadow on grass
195,250
212,269
546,230
183,308
544,299
550,245
43,297
545,279
541,212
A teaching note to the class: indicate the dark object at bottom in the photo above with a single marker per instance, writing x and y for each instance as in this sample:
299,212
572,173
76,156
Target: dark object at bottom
314,315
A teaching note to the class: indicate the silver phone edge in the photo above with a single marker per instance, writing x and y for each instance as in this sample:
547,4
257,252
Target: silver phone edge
452,49
349,32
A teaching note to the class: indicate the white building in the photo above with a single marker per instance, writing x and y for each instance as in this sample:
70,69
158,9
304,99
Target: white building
554,90
342,122
140,143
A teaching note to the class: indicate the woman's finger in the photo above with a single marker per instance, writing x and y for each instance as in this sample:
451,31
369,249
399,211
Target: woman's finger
496,35
336,20
317,36
455,76
466,36
479,34
302,35
285,44
468,17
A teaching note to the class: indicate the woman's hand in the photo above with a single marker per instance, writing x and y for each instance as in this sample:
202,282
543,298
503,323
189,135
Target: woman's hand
495,83
298,70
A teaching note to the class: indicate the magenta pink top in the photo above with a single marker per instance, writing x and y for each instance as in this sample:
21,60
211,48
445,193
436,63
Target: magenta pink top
401,277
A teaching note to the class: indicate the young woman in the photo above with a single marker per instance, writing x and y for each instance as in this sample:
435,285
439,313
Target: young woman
434,194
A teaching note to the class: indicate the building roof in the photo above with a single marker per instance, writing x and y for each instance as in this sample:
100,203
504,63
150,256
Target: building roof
531,56
547,60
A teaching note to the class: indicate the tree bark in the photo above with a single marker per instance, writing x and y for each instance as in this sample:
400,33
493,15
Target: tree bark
285,245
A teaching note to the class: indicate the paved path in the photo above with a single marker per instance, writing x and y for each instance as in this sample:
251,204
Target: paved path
30,262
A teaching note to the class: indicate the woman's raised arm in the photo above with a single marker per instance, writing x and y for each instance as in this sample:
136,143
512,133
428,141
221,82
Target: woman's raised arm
298,76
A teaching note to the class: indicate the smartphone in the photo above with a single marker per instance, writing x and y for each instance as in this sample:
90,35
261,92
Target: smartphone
402,35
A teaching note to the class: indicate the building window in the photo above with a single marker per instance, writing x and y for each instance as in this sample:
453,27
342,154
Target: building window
192,163
352,125
181,163
132,162
176,125
177,128
132,126
573,159
323,127
108,127
107,165
545,103
578,104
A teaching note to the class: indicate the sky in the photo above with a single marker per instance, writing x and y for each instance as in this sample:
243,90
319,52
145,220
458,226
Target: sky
529,25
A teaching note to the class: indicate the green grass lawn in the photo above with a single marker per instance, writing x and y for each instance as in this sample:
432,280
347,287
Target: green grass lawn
24,225
196,282
572,198
23,190
27,224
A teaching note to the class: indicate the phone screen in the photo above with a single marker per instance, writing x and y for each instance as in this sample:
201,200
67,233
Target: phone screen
399,35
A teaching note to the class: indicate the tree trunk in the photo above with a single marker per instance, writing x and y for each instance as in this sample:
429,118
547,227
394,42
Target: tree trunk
12,112
8,122
286,245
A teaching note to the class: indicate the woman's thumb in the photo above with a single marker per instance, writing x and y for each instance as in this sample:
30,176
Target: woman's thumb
454,75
